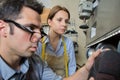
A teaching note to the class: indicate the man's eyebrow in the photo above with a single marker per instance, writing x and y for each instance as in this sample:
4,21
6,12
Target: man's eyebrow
33,25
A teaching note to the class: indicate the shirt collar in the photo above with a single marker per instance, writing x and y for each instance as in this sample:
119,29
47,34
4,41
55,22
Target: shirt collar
47,40
7,72
60,44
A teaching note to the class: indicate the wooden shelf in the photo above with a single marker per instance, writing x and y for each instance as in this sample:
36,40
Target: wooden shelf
44,16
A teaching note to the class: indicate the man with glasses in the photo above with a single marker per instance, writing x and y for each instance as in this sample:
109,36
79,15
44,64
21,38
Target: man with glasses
20,32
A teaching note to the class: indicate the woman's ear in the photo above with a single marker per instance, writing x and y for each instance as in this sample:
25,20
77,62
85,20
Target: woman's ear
49,21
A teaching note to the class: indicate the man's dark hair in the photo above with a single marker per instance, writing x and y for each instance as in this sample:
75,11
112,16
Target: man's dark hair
10,9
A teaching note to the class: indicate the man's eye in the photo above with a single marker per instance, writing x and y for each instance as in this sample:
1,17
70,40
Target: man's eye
30,28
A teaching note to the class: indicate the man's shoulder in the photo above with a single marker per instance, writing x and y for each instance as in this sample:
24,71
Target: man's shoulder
36,59
37,66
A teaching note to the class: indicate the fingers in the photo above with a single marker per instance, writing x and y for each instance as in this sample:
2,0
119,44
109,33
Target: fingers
94,55
91,78
91,59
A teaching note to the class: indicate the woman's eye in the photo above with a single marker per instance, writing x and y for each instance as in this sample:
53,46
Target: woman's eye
59,20
67,22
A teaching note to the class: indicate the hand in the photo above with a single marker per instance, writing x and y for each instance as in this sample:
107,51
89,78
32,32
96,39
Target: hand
91,59
82,73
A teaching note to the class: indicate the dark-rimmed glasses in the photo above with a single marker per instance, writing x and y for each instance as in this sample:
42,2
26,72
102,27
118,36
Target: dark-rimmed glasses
27,29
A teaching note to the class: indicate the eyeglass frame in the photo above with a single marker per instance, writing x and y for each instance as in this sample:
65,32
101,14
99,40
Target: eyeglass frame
26,29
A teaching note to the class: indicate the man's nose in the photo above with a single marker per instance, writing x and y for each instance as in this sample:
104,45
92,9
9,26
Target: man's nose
36,37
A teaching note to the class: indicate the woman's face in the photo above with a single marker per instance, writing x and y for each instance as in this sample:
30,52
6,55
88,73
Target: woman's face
59,22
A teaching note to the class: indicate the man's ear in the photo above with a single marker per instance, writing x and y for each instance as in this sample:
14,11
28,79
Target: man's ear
2,24
3,28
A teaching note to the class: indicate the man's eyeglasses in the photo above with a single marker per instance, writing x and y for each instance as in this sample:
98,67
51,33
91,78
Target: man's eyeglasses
27,29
